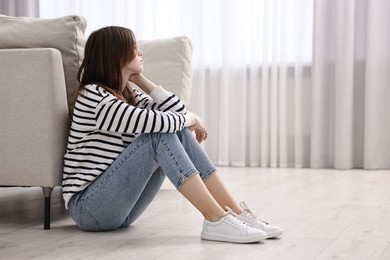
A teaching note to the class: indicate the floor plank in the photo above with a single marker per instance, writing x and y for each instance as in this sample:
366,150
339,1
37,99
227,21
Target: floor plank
325,214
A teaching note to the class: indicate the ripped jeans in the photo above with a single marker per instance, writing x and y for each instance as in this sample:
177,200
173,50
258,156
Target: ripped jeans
123,192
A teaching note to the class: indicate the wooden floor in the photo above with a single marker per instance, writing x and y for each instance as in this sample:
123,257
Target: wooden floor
325,214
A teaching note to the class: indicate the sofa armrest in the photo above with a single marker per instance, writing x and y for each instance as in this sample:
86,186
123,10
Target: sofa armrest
33,117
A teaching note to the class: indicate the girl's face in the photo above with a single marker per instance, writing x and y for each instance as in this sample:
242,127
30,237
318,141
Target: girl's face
136,65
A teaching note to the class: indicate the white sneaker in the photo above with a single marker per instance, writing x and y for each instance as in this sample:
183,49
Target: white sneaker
254,221
230,228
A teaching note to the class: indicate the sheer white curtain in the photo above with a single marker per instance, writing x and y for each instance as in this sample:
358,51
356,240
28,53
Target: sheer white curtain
19,8
351,85
252,68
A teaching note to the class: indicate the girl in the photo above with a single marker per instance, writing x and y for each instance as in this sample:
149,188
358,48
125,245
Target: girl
123,143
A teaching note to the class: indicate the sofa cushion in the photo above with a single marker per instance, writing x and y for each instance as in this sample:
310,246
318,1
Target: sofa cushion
65,34
167,62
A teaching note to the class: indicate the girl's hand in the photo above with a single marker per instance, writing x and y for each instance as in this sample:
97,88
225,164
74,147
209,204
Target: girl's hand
198,128
137,78
141,81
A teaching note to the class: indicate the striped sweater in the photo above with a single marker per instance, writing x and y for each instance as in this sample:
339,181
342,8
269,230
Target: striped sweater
103,126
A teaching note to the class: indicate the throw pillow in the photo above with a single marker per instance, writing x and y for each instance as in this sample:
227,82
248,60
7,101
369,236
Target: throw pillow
65,34
167,62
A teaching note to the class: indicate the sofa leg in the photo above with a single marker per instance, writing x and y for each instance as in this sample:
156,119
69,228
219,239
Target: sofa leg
47,193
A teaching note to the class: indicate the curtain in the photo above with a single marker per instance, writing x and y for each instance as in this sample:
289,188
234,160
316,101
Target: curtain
350,90
255,102
252,68
20,7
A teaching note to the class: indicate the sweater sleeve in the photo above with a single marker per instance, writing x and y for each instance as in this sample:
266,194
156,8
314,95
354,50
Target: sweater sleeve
160,99
115,115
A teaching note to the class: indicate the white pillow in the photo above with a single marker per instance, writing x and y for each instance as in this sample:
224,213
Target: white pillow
167,62
65,34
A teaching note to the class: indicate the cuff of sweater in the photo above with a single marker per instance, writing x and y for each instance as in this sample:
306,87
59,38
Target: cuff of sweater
159,94
188,120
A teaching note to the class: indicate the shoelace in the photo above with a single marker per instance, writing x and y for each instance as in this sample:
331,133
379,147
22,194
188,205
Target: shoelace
236,220
251,213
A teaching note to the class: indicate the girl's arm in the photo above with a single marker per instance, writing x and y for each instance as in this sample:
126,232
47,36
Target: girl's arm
141,81
157,98
115,115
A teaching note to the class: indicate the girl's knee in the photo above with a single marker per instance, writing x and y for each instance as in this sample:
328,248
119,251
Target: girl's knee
184,134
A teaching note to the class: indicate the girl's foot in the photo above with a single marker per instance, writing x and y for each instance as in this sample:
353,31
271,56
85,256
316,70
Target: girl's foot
254,221
230,228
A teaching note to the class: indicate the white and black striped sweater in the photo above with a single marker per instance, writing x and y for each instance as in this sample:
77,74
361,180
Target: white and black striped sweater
103,126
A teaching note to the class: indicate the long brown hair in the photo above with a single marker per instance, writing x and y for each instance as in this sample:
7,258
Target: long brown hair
106,51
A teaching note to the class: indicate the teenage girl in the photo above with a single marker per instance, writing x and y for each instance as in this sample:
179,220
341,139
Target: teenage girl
124,142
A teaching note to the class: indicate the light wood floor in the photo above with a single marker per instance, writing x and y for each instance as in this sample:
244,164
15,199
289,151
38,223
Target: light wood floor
325,214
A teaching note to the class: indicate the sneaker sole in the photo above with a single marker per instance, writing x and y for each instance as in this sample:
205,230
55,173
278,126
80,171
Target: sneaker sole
243,240
274,234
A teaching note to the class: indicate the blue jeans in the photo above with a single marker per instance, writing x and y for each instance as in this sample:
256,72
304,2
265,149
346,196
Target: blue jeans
122,193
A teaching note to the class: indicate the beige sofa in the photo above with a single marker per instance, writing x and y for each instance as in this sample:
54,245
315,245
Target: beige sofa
39,59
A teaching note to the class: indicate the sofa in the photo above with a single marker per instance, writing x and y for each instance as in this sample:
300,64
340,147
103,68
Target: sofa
39,59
